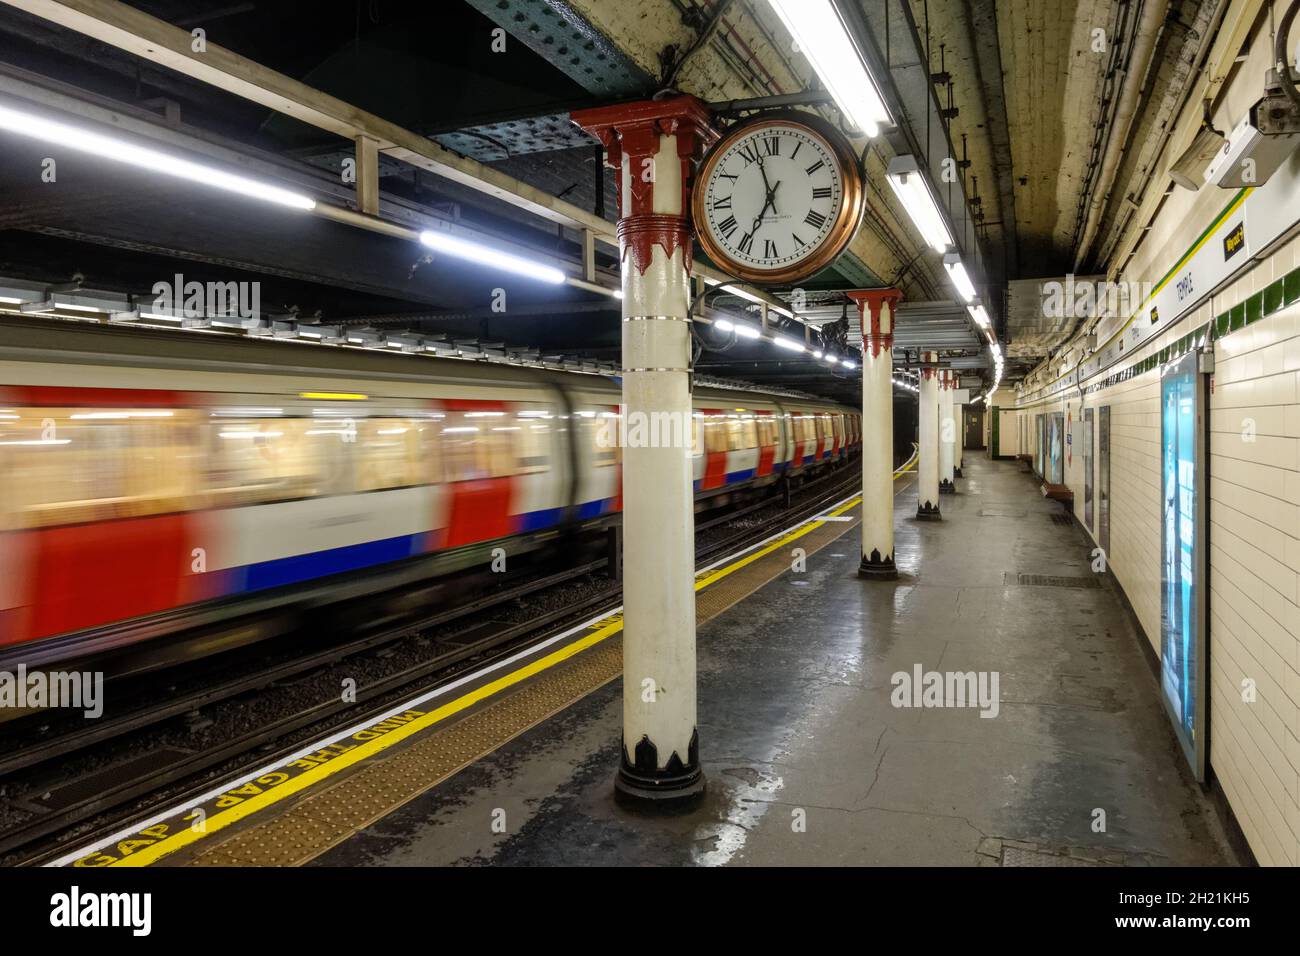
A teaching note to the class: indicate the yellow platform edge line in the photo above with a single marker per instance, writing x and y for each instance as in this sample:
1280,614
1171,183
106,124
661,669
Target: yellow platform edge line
226,818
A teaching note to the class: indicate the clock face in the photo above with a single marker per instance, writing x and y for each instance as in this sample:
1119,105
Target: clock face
777,200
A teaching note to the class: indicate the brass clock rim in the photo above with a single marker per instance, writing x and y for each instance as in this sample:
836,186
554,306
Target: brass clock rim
848,219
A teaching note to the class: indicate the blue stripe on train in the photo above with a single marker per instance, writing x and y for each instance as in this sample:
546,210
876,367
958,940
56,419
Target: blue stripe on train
537,520
318,564
593,509
354,557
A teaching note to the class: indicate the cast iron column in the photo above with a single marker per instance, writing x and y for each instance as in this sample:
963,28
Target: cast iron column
876,309
946,486
654,144
927,465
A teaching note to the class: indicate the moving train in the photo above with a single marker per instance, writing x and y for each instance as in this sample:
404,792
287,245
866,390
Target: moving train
153,482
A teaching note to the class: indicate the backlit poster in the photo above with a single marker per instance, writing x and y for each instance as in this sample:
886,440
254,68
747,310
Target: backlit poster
1055,473
1182,591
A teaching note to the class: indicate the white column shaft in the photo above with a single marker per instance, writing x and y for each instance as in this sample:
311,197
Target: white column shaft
658,505
927,471
946,431
877,457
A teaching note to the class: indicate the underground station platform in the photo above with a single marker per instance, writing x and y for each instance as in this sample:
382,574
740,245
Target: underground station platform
819,746
697,439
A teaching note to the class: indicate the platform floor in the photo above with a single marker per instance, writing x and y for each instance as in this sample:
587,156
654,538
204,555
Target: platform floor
809,762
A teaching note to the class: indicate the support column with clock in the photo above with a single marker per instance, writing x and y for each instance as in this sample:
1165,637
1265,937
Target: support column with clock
947,432
927,465
654,145
876,309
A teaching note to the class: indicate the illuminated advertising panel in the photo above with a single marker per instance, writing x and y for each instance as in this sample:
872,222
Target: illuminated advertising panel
1182,573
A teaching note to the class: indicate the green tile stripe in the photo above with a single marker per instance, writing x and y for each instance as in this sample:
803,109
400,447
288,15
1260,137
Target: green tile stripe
1278,295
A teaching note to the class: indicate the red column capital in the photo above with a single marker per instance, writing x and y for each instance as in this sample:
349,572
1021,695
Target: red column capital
634,130
929,365
877,323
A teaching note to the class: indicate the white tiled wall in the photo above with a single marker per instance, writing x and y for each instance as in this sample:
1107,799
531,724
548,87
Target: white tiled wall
1254,548
1255,569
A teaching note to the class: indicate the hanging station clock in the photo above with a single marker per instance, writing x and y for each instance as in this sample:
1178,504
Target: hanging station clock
778,198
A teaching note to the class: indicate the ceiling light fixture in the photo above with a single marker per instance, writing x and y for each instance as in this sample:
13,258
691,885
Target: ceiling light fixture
483,255
910,186
825,40
121,151
958,276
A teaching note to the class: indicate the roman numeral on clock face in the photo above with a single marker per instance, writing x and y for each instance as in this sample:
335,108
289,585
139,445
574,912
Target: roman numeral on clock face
814,167
746,243
727,226
815,219
822,192
769,249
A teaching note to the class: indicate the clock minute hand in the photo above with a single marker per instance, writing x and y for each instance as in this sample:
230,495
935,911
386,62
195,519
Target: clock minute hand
771,199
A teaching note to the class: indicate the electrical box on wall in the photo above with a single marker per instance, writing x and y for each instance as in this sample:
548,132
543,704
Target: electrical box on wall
1249,156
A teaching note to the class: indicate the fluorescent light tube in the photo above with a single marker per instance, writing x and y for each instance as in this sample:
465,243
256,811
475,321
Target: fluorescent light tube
823,38
910,186
121,151
473,252
957,275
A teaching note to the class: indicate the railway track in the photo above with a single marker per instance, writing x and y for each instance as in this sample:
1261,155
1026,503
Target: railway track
145,765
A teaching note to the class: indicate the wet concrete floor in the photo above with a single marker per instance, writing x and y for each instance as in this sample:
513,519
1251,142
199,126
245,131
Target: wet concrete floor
809,760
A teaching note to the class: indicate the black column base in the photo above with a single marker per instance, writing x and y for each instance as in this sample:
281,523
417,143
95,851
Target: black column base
928,511
877,568
642,782
956,473
946,487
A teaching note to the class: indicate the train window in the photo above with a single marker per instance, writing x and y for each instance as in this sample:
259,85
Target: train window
715,433
767,430
697,434
807,429
389,453
531,434
72,465
741,432
473,447
837,423
605,438
255,460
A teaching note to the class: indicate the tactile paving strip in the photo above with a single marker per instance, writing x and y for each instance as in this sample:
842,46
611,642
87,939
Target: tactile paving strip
327,817
323,819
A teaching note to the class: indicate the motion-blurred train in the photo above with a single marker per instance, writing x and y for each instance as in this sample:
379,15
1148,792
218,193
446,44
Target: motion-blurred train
153,482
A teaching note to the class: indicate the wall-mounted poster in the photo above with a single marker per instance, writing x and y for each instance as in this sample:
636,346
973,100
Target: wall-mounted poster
1183,584
1086,454
1055,472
